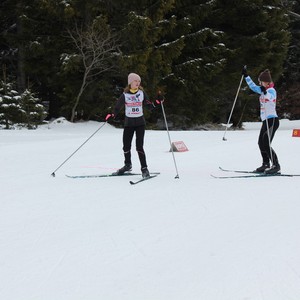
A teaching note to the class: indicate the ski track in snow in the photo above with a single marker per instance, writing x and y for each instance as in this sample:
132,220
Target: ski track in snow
192,238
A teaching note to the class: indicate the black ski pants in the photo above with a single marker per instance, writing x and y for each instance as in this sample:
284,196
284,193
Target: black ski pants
265,138
128,134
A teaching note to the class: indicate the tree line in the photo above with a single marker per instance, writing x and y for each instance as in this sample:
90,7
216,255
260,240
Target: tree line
73,57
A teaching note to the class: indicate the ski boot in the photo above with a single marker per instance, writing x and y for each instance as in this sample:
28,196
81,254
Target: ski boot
275,169
262,168
145,172
126,168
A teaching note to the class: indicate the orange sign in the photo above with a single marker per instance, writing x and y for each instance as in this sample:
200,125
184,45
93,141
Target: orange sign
296,132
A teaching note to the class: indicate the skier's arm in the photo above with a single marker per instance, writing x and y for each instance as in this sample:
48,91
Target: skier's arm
119,105
255,88
147,103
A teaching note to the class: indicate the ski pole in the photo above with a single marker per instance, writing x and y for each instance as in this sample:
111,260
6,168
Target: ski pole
269,140
224,139
53,173
163,111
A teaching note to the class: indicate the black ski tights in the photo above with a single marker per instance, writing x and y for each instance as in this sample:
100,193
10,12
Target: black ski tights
267,153
127,141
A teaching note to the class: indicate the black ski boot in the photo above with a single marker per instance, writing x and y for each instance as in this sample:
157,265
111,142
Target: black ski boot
145,172
275,169
262,168
126,168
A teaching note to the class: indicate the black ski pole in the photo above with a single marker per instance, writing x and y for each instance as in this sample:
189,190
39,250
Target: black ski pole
224,139
163,111
53,173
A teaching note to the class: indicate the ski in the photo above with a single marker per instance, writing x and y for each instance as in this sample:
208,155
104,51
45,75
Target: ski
106,175
143,179
251,174
256,175
101,175
238,171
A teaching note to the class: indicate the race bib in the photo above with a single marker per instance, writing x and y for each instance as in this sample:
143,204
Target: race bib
134,104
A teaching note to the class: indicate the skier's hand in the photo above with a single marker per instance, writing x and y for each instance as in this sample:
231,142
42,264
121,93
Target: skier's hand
244,71
263,90
108,116
159,98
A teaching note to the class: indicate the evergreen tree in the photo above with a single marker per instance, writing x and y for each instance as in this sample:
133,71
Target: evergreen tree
32,42
290,84
257,35
190,86
33,111
7,26
148,43
10,107
193,50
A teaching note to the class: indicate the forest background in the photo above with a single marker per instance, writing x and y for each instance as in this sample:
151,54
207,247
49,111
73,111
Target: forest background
71,58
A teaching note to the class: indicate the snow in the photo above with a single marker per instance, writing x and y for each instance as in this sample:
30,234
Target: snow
192,238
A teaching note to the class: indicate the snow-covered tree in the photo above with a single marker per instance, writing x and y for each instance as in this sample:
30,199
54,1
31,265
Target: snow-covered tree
10,107
33,111
190,87
256,32
150,45
191,49
148,42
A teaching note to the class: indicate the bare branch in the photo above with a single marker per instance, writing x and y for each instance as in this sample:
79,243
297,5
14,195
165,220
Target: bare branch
96,46
288,6
293,14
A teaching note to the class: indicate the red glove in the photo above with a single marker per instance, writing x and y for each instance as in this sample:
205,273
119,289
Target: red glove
108,116
159,98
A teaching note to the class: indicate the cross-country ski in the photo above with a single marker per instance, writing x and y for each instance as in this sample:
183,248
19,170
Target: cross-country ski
101,175
250,174
255,176
143,179
108,175
238,171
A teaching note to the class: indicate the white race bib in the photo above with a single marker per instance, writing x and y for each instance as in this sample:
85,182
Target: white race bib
134,104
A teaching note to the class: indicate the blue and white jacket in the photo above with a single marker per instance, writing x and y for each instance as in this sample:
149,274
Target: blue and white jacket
267,101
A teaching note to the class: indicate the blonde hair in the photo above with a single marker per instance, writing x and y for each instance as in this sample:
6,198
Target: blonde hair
128,87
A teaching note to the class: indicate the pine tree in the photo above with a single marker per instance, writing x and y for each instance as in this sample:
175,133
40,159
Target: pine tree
193,50
33,111
148,45
190,85
10,107
256,32
289,105
32,41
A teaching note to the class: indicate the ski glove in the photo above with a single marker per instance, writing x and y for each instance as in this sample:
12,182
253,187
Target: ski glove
263,90
244,71
108,116
159,98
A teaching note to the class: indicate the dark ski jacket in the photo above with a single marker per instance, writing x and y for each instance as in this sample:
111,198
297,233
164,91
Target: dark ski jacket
133,103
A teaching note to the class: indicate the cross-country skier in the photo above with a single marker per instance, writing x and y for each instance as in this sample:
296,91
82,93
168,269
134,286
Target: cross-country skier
269,117
134,99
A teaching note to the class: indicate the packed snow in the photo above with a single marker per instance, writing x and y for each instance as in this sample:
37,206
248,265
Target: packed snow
191,238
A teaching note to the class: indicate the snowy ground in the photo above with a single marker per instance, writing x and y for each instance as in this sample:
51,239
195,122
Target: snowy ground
191,238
